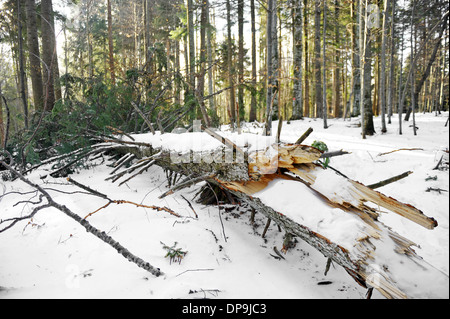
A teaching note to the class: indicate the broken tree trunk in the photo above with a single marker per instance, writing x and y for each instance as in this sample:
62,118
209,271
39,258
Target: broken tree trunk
330,212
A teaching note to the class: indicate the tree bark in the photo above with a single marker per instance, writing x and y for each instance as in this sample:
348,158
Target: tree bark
48,54
34,56
232,97
253,102
110,45
337,68
21,65
317,61
324,84
297,108
383,66
241,107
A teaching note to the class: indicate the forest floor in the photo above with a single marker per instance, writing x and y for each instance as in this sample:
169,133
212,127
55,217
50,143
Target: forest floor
54,257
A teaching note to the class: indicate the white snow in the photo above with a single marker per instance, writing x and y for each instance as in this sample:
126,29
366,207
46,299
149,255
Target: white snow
54,257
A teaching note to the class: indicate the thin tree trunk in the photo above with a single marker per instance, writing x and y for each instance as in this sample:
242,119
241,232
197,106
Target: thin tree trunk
337,67
297,109
232,98
306,94
317,61
21,65
241,108
269,66
391,67
253,102
212,105
201,80
110,44
413,69
34,56
191,37
325,106
355,102
383,67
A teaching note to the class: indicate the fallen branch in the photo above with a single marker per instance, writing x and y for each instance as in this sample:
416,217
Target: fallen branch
83,222
111,201
439,190
333,154
401,149
304,136
389,180
186,183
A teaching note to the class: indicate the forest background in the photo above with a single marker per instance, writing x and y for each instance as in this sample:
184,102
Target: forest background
71,71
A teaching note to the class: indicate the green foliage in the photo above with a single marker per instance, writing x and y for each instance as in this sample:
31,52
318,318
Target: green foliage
174,254
324,148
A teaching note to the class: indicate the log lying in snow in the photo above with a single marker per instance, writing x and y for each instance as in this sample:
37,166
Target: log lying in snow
326,210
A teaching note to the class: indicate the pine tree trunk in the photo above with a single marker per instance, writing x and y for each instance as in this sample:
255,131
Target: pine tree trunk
212,105
269,66
110,44
355,101
191,38
253,102
297,109
337,67
241,61
306,93
201,79
391,67
324,84
383,67
21,65
232,98
317,61
34,56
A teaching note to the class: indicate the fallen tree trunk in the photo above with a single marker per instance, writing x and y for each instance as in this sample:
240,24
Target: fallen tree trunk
284,183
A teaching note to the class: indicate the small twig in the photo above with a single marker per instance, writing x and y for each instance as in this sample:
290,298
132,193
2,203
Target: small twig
223,140
402,149
439,190
157,208
280,126
86,188
333,154
190,205
200,269
304,136
275,249
389,180
186,184
266,228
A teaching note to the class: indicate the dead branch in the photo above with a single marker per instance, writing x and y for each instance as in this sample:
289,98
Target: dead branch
190,205
146,120
83,222
401,149
187,183
223,140
304,136
389,180
333,154
111,201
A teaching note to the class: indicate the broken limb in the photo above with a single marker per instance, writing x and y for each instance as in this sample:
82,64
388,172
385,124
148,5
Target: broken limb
83,222
389,180
186,183
111,201
304,136
402,149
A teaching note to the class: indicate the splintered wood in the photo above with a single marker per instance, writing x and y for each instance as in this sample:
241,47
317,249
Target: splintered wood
286,183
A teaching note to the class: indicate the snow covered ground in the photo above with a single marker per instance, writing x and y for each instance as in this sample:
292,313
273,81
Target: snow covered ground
54,257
